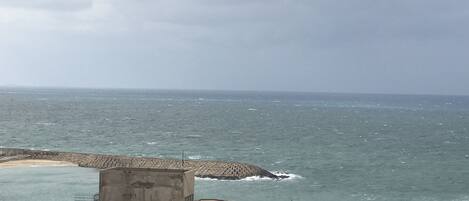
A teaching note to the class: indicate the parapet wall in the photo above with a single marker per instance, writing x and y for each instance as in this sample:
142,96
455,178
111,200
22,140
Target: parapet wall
204,169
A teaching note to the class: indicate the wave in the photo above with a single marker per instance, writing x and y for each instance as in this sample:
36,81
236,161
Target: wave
196,157
288,177
206,179
45,123
285,177
199,157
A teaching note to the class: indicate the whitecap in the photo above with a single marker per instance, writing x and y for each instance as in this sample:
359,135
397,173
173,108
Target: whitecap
206,179
151,143
252,109
196,157
256,178
287,177
45,123
128,119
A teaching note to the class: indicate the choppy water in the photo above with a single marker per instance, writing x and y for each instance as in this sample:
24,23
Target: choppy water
339,146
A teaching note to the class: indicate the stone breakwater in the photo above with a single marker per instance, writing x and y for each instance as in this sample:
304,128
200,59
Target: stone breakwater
204,169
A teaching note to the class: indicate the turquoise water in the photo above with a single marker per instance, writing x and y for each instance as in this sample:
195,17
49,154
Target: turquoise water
337,146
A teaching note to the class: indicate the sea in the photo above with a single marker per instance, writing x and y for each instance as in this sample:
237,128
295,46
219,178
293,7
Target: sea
334,147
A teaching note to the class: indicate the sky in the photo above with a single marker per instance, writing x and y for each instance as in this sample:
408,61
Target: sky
360,46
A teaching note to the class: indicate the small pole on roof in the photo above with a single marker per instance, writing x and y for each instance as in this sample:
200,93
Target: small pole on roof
182,158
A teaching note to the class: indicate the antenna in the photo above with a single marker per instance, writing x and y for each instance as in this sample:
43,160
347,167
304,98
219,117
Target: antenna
182,158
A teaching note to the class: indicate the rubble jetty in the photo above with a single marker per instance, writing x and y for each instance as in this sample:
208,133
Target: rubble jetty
203,168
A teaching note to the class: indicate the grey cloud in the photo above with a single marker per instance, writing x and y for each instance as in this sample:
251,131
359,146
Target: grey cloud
51,5
209,13
402,46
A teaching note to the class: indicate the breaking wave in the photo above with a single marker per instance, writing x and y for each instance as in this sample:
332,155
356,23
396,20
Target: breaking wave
289,177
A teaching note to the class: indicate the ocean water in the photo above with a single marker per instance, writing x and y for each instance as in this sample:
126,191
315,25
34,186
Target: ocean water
335,146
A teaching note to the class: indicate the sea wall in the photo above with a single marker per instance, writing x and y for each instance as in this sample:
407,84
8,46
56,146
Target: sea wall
203,168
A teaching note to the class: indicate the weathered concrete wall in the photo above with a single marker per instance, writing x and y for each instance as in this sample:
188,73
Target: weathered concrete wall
136,184
205,169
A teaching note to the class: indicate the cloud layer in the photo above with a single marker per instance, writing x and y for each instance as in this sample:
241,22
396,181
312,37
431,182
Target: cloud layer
371,46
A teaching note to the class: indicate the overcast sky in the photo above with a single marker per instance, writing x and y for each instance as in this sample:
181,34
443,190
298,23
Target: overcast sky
366,46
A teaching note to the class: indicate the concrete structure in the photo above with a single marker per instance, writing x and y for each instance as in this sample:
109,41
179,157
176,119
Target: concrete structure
203,168
140,184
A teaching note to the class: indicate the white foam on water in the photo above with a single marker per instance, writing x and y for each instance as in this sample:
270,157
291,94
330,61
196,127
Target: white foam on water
257,178
291,177
151,143
128,119
252,109
462,198
196,157
45,123
206,179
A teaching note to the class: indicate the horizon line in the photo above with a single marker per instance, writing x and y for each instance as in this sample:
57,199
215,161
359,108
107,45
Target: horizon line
226,90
